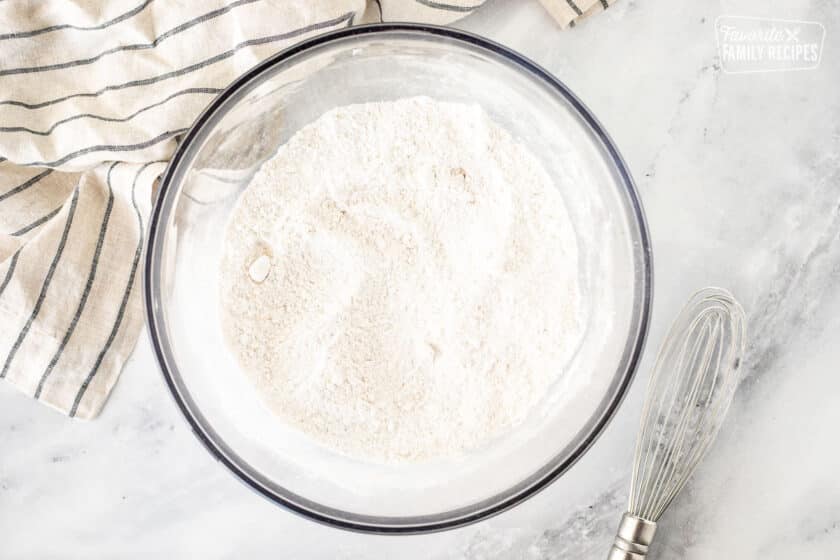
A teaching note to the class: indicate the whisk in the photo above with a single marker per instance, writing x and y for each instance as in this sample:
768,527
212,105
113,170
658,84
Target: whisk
693,382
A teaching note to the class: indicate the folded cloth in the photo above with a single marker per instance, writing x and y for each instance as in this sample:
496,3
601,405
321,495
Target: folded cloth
568,12
94,97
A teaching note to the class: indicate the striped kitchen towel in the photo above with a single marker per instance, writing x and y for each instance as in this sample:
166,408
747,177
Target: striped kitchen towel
94,97
568,12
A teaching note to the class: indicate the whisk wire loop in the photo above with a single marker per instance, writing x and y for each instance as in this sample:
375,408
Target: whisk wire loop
692,385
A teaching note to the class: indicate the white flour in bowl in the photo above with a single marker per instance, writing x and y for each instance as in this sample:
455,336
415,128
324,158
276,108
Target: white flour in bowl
400,281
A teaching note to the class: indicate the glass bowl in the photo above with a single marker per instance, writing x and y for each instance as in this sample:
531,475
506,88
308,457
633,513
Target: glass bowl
245,125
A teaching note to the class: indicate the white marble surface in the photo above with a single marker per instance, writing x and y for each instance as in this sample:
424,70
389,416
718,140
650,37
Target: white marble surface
740,177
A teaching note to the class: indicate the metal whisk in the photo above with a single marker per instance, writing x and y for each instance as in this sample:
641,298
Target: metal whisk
693,382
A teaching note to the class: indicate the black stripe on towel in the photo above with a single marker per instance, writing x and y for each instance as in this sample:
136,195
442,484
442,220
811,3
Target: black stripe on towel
25,185
127,292
103,230
45,286
448,7
574,7
56,124
191,68
108,148
604,4
135,47
122,17
9,272
36,223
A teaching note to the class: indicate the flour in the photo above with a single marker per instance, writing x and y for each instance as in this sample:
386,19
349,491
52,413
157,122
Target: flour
400,281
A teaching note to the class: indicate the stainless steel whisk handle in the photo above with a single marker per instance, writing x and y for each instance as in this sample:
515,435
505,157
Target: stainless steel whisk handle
632,539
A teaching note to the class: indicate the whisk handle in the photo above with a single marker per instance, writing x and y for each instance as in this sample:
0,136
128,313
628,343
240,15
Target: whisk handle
632,539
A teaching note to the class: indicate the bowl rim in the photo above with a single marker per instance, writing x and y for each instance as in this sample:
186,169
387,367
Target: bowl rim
393,524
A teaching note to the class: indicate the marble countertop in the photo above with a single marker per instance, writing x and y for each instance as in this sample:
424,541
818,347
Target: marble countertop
740,177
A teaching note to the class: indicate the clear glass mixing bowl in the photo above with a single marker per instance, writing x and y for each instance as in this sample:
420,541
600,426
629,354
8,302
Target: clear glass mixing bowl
245,125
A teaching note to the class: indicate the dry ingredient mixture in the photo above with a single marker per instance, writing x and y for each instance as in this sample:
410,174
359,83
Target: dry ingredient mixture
400,281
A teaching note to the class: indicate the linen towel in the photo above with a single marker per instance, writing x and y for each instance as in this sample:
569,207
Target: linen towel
568,12
94,97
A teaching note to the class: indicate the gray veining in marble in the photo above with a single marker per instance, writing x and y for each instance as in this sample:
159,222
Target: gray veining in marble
740,177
